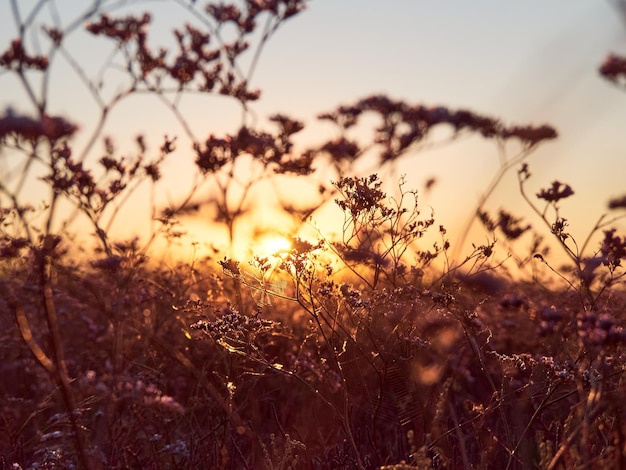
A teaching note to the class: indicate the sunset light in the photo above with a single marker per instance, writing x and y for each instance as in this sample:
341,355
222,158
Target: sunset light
357,234
271,245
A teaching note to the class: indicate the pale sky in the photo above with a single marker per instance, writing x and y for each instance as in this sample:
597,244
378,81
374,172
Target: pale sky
530,62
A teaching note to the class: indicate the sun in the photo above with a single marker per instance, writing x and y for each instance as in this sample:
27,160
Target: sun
272,245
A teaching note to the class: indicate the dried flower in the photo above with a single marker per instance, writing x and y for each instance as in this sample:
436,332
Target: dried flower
230,267
613,249
52,128
360,194
613,68
120,29
618,203
556,192
16,58
530,135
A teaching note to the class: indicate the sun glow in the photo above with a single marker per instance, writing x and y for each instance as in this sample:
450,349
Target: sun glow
271,245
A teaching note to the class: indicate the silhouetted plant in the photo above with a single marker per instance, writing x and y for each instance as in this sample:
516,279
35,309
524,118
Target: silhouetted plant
587,281
373,350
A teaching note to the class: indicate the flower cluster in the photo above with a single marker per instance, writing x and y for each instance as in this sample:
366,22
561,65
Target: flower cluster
232,325
298,166
16,58
230,267
510,225
599,329
224,13
71,178
613,249
404,125
556,192
353,297
558,229
195,58
618,203
51,128
287,125
360,194
121,29
299,260
342,150
525,362
614,69
56,35
272,151
529,135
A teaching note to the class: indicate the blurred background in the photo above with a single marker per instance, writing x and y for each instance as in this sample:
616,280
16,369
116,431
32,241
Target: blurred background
525,63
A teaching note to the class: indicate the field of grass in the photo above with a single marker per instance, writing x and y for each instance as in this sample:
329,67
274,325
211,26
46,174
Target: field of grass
374,350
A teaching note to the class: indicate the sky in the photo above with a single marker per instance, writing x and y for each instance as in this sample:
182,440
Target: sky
531,62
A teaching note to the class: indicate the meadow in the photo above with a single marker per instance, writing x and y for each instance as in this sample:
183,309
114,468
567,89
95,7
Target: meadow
375,349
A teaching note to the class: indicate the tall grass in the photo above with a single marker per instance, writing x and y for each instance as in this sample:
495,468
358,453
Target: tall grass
369,350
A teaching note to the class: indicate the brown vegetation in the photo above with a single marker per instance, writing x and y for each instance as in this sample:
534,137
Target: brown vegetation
367,351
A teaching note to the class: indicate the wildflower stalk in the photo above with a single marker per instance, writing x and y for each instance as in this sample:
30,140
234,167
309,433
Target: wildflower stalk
62,376
309,306
576,254
544,403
